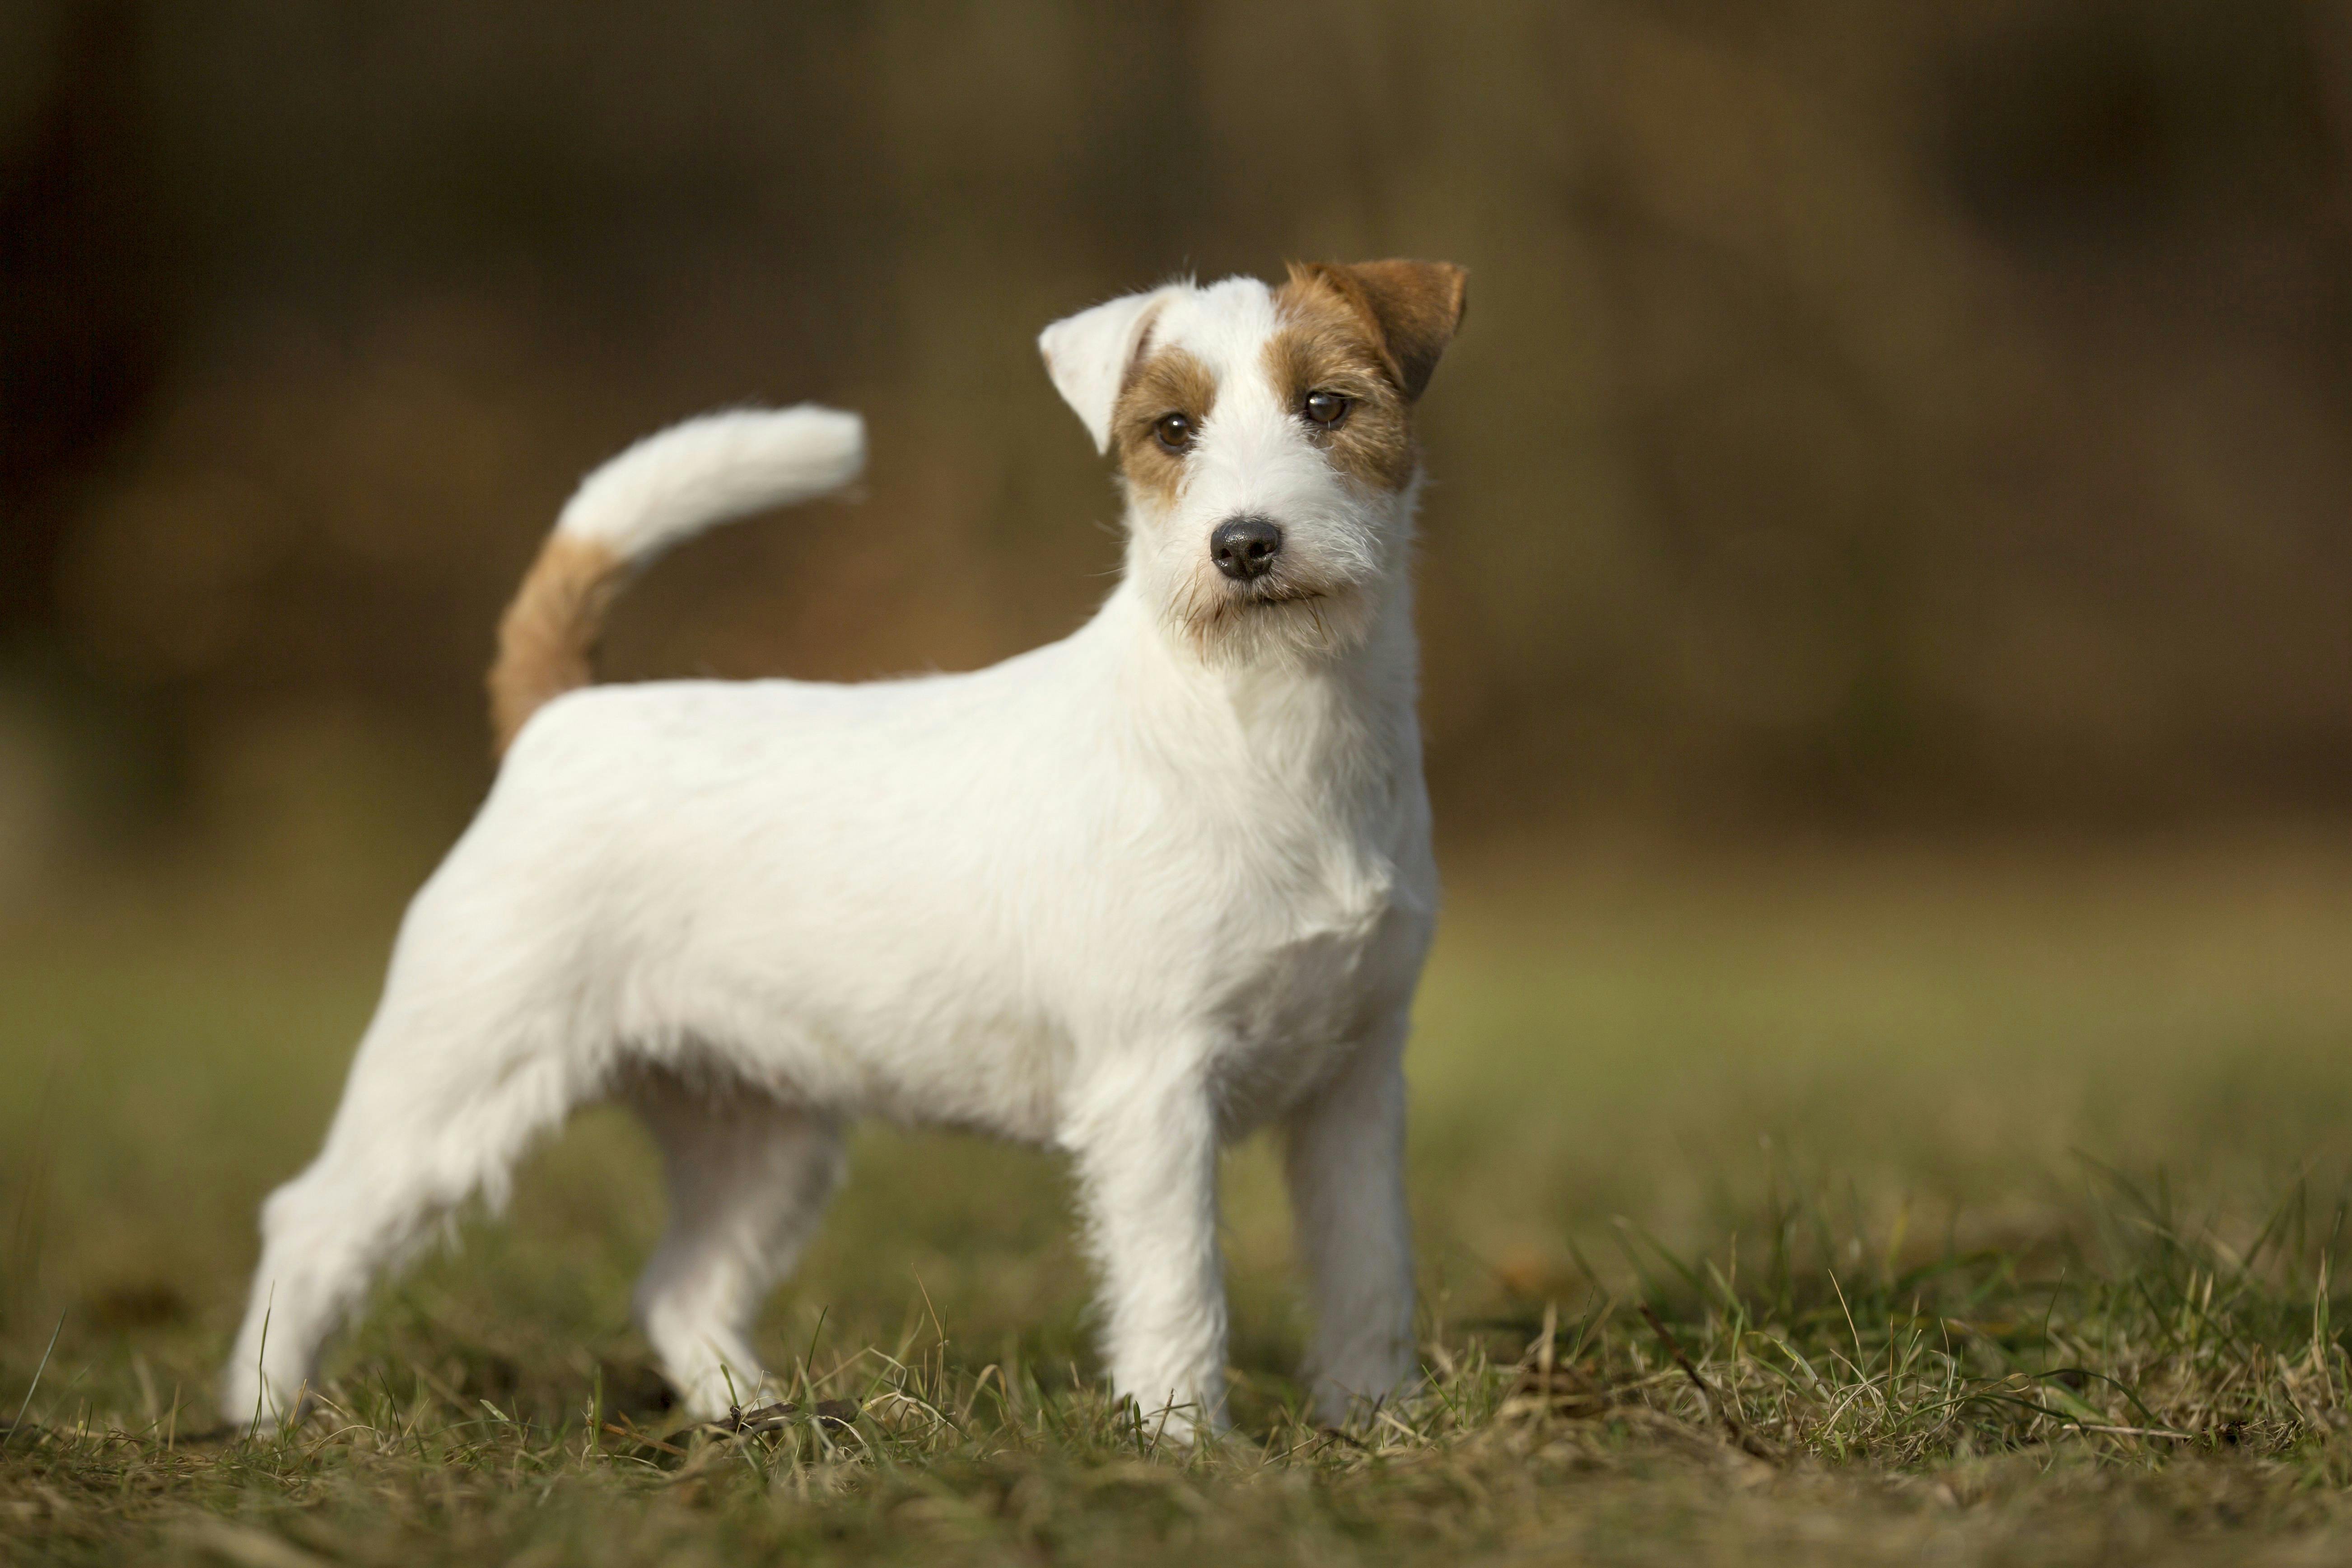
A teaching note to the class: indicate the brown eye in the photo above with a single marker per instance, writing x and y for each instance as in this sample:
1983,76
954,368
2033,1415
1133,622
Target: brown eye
1175,432
1328,408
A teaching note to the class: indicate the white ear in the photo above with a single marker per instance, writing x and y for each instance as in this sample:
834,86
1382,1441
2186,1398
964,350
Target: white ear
1088,356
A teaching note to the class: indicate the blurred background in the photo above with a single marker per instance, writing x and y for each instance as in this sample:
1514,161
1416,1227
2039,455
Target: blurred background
1896,478
1887,418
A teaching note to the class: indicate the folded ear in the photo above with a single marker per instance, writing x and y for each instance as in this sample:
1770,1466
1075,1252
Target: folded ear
1415,306
1089,354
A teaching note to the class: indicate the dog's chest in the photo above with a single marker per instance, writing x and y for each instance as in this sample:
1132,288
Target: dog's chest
1312,968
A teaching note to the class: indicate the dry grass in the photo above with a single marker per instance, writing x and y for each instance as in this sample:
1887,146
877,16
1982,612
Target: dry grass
1855,1211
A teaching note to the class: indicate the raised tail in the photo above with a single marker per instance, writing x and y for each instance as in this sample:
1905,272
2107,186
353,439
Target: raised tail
664,488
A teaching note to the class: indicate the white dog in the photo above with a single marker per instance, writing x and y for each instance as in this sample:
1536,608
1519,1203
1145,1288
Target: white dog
1130,895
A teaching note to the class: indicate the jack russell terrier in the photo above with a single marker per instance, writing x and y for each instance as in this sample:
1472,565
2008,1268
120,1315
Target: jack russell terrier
1130,895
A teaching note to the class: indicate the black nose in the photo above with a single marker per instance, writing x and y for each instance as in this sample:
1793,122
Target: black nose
1244,547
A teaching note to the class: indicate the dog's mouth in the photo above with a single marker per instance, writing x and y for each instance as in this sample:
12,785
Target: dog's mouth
1214,614
1304,602
1268,592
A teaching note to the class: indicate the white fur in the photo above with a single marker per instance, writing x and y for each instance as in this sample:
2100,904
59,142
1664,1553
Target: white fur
710,470
1128,895
1086,354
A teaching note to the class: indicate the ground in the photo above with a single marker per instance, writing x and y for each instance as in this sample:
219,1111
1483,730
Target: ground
1843,1206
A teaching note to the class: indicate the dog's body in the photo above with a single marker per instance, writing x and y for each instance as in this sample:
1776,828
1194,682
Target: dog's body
1130,895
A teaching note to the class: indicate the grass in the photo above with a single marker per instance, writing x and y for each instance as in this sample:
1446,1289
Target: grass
1840,1208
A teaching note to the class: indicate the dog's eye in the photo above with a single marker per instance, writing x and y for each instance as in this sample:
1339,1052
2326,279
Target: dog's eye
1327,408
1175,432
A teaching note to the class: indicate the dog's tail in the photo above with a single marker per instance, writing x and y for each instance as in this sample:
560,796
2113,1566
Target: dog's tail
663,490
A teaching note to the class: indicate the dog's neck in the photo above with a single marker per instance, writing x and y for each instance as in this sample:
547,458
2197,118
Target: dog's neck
1327,723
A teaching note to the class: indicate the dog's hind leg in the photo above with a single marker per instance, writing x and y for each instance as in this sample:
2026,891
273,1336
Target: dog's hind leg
749,1175
476,1048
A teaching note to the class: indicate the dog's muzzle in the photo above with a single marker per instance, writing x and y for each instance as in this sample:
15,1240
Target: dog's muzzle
1244,547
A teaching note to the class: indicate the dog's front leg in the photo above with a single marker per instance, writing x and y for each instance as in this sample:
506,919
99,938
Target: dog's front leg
1144,1139
1345,1160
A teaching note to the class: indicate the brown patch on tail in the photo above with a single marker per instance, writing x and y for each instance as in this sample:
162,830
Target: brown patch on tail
547,639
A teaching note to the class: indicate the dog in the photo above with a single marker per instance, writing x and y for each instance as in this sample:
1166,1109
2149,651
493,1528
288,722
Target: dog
1130,895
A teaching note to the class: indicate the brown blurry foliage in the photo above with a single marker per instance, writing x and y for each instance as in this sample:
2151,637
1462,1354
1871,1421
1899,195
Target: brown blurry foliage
1883,413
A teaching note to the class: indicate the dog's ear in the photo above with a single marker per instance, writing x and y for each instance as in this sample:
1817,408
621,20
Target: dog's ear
1089,356
1415,308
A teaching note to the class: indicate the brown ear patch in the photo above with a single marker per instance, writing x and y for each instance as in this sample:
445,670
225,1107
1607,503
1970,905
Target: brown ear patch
1413,308
1326,343
1168,381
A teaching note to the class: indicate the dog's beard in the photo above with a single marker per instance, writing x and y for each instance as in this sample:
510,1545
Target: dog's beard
1277,618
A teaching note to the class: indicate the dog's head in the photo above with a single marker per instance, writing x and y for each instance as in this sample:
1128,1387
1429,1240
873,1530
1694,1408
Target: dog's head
1265,440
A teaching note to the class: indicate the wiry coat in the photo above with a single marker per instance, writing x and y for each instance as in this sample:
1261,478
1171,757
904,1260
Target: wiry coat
1130,894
